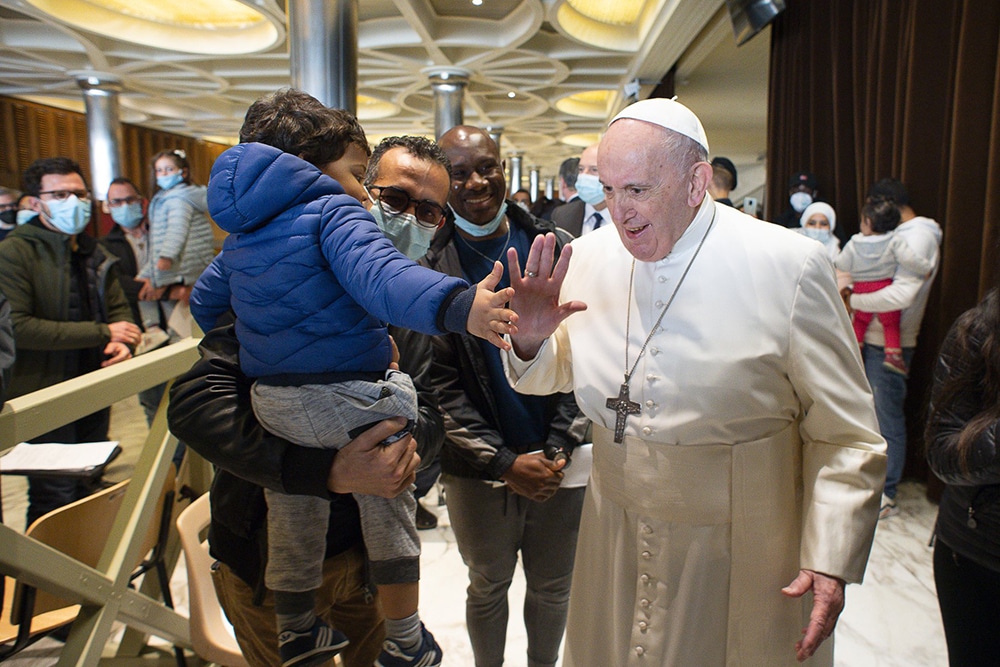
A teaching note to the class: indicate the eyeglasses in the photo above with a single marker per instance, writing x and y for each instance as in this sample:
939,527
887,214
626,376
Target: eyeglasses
394,201
60,195
115,203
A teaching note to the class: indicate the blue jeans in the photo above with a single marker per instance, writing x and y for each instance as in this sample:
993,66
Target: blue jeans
889,389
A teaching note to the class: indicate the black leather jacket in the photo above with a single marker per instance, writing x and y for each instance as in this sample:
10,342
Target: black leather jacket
474,447
210,411
969,515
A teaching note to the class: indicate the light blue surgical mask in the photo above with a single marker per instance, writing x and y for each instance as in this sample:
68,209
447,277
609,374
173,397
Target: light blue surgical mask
590,189
472,229
167,182
821,235
128,216
69,216
25,215
409,237
799,201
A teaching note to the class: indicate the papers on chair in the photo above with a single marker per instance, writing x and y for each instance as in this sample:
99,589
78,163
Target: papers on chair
58,458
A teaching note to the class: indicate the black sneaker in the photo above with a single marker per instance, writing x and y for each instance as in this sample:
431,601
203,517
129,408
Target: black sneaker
425,518
313,647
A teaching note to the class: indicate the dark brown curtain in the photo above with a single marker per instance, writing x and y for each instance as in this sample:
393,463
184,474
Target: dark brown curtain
864,89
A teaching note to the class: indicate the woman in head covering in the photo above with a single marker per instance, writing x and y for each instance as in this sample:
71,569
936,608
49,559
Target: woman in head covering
818,221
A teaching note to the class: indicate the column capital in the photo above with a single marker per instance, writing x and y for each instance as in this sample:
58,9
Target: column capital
447,76
93,80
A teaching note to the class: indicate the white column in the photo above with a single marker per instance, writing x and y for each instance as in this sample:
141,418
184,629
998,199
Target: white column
104,127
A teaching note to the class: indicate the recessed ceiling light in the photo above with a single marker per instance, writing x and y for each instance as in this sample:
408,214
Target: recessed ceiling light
512,94
194,26
477,2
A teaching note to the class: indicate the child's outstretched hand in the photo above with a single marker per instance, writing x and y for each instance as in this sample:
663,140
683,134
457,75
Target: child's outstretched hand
489,319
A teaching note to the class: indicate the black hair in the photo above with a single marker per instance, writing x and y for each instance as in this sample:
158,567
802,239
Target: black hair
569,170
883,214
419,147
298,123
891,189
32,178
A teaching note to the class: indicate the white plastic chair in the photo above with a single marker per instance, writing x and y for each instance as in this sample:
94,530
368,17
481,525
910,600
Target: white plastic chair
210,637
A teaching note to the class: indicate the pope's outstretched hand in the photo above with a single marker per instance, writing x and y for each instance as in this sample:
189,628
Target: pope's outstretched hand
536,294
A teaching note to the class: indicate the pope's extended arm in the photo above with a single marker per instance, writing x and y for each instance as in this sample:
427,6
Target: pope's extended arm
536,294
828,602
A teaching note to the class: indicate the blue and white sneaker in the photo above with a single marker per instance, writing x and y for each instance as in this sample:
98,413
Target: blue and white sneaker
314,647
428,654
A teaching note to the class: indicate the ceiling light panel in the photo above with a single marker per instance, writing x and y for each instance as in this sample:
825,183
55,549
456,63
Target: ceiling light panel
192,26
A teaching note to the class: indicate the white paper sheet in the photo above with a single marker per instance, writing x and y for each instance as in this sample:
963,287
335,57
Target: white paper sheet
57,457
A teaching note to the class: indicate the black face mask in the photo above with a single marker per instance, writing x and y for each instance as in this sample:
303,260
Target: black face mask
9,217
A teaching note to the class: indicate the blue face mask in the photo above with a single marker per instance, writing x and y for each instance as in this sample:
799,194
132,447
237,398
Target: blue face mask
25,215
472,229
167,182
69,216
405,232
590,189
821,235
128,216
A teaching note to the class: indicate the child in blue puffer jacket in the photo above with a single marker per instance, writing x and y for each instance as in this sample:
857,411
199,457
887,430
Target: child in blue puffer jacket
312,281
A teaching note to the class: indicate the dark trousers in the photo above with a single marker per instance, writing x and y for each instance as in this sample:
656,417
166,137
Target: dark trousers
969,597
48,493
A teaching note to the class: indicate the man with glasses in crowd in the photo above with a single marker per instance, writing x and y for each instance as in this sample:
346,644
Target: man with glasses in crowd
407,184
69,312
504,454
8,210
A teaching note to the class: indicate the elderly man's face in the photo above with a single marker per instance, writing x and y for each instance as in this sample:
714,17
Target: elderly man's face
588,161
7,203
478,186
420,179
651,201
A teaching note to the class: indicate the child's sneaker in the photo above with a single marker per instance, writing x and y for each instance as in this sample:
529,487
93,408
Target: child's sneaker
428,654
313,647
894,362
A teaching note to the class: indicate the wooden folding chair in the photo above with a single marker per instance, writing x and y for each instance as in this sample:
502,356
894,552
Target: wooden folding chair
80,530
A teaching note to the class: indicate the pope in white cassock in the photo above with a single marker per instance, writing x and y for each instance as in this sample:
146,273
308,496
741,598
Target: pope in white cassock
738,470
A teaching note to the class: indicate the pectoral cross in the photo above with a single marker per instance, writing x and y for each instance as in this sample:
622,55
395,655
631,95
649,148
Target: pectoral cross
623,407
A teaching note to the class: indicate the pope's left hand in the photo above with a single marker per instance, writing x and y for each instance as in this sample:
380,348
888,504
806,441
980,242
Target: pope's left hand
828,602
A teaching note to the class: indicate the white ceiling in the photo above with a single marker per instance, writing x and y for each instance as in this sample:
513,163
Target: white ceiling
519,46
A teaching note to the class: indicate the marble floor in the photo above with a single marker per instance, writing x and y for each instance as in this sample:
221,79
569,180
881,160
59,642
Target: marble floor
891,620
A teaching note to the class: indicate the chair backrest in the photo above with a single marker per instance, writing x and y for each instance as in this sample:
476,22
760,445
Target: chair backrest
80,530
210,637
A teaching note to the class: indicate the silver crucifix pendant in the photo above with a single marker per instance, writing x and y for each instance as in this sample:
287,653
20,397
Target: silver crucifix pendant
623,407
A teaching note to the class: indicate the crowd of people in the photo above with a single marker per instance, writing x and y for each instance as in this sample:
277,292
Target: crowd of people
376,311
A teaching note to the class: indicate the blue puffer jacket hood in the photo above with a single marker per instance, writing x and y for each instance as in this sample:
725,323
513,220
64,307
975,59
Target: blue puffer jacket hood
252,184
310,276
